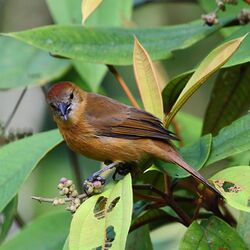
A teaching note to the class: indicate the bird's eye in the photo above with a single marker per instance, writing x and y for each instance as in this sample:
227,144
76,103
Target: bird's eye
71,95
52,105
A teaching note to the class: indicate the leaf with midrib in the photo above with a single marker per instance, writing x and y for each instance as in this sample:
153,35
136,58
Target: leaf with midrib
22,65
173,89
19,158
213,233
234,184
113,45
231,140
208,66
91,220
147,81
229,98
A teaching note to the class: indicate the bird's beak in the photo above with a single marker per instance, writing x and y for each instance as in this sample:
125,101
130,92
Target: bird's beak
63,107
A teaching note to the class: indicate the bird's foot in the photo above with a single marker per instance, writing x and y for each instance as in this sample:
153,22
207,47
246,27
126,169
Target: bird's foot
95,183
122,169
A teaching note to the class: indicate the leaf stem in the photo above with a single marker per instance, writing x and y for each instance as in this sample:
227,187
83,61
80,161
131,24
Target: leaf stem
123,85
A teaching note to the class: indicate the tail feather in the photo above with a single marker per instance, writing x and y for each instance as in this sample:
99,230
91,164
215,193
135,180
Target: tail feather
177,160
166,152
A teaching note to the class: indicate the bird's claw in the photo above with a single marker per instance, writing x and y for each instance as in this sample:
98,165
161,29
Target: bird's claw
122,169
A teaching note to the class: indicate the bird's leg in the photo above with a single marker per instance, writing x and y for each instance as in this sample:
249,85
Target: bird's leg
96,181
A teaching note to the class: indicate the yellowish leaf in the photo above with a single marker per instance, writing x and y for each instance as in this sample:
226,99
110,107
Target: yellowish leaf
208,66
147,81
88,7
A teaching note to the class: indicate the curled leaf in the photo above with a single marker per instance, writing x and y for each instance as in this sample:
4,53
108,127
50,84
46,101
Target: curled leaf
147,82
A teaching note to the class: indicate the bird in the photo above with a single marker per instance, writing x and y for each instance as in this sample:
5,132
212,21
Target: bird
106,130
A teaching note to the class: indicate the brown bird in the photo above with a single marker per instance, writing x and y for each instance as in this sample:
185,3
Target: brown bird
106,130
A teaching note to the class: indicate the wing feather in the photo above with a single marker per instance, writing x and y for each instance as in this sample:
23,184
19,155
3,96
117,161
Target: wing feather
113,119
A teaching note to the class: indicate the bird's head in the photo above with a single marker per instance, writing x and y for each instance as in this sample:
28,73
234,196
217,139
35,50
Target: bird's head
64,99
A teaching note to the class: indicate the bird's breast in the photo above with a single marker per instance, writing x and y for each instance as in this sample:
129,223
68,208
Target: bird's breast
102,148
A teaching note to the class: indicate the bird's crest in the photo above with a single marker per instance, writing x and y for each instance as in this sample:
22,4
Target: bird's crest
58,88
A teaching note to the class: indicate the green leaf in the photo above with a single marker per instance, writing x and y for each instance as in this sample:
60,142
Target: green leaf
109,213
47,232
66,244
213,233
7,215
154,215
139,239
234,184
113,45
195,155
208,66
147,81
243,227
190,127
231,140
175,86
22,65
229,98
242,54
18,160
65,12
173,89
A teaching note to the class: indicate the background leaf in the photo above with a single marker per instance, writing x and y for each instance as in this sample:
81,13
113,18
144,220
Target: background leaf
208,66
213,233
229,99
65,12
173,89
147,81
30,66
7,215
47,232
88,7
87,44
190,127
242,55
234,184
19,158
90,213
243,227
139,239
231,140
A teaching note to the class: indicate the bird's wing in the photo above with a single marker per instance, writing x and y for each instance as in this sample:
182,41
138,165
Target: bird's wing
113,119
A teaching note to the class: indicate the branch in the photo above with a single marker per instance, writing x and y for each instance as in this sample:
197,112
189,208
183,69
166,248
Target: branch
123,85
52,200
76,168
186,220
15,109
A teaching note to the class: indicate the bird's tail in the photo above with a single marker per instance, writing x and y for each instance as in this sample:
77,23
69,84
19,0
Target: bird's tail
169,154
180,162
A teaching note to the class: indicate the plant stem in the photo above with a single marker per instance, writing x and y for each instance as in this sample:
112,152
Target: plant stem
19,220
76,168
123,85
15,109
169,200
